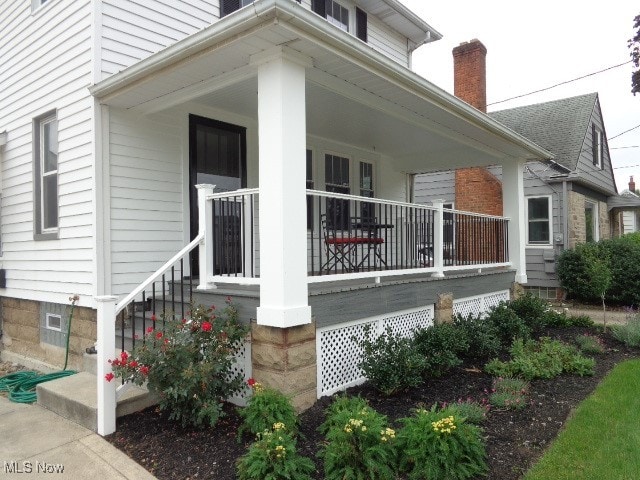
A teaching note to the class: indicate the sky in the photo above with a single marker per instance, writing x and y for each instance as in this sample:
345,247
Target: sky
533,45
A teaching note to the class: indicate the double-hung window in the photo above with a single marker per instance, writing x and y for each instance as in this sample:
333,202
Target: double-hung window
591,221
338,15
539,220
45,147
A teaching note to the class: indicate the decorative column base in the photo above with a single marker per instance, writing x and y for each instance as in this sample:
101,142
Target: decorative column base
285,359
517,291
443,309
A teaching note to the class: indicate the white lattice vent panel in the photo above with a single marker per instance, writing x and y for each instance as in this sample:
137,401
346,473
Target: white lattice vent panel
242,365
339,351
480,304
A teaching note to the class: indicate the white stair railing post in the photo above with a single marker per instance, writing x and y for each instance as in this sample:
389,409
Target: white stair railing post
205,228
106,346
438,237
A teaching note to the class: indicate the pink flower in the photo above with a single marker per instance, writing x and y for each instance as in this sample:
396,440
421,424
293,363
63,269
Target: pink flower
144,370
153,317
228,300
149,329
206,326
109,376
133,364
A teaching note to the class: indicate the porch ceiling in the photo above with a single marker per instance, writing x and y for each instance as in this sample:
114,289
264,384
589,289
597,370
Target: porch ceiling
354,94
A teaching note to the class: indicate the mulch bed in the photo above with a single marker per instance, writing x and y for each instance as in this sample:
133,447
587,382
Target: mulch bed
515,439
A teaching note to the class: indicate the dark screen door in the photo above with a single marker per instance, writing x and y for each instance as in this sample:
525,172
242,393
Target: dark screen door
217,155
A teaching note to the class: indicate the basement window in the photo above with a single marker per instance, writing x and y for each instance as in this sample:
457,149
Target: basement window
54,322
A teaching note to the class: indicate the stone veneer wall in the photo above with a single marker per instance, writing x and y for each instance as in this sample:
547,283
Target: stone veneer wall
577,225
21,321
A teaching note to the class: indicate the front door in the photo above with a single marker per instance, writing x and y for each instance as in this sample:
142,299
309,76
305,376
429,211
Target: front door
217,156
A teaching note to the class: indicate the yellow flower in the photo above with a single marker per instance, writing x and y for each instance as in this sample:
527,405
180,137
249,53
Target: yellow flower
278,426
364,428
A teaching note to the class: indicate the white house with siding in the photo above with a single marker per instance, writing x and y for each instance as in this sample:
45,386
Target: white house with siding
309,122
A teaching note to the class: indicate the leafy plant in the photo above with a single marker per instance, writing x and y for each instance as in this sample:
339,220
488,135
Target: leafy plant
590,344
531,310
390,362
273,456
481,336
441,345
438,444
266,407
189,364
471,410
545,358
509,326
510,393
359,442
628,333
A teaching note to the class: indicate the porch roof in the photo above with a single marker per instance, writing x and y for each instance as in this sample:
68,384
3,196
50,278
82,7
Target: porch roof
354,94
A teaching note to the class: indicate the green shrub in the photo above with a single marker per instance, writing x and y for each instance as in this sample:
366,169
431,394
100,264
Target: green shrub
436,444
509,393
359,443
531,310
390,362
580,321
628,333
189,364
264,408
481,336
573,272
589,344
441,345
545,358
508,325
472,411
273,456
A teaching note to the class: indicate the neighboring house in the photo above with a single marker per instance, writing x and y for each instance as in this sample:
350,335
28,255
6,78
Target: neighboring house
566,200
118,116
626,208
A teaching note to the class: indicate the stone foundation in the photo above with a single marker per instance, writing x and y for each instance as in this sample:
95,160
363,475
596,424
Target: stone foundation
285,359
443,309
22,331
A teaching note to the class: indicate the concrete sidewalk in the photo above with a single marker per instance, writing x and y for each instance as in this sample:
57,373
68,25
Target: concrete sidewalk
33,438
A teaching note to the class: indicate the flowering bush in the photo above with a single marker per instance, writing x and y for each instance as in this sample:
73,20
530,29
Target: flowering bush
266,407
273,456
360,444
189,364
509,393
436,444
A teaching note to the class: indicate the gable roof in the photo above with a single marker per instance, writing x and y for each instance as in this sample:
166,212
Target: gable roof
558,126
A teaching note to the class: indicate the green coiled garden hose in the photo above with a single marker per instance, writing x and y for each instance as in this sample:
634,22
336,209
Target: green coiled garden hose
21,386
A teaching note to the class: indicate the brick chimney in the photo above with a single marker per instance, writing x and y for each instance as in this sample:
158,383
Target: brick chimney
477,189
470,73
632,185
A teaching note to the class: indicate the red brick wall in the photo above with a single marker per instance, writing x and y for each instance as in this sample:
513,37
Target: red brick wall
469,74
479,191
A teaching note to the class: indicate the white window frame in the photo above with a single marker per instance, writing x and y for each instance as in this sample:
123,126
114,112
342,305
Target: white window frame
596,219
599,147
48,323
550,221
350,12
36,4
40,232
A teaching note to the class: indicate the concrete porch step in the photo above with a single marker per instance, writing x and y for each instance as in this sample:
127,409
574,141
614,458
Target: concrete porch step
75,398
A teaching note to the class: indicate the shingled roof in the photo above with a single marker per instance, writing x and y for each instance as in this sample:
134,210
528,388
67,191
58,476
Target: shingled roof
558,126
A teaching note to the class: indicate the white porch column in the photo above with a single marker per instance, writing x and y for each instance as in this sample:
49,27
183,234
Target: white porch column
205,228
106,346
284,289
438,246
513,207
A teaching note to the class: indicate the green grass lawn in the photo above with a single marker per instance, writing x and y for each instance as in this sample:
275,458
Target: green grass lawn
601,440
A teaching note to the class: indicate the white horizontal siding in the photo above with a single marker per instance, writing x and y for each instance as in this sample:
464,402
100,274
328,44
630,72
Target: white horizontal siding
133,30
387,41
146,192
45,64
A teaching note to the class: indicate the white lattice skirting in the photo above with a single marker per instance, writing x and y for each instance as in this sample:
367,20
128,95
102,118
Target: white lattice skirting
242,365
480,304
339,353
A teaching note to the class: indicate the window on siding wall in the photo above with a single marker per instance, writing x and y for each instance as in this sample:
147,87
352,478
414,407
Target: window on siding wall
598,146
361,24
366,190
45,148
539,220
338,15
591,221
337,178
309,187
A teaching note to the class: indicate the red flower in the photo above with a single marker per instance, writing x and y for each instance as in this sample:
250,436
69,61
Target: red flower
228,300
213,307
133,364
184,320
109,376
166,340
144,370
159,335
149,329
206,326
251,382
124,356
153,317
